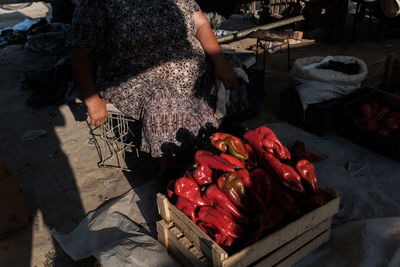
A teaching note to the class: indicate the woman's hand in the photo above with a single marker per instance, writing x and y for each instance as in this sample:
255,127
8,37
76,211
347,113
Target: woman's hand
97,110
224,73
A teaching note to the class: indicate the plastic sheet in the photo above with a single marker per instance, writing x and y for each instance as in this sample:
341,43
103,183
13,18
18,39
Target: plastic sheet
121,232
369,187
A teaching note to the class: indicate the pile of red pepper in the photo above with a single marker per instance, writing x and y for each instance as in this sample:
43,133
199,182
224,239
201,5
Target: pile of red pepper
379,119
247,190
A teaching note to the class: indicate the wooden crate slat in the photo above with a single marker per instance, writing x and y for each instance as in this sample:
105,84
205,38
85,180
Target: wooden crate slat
178,256
162,232
176,232
200,239
284,235
295,244
198,254
375,79
180,246
163,209
381,73
389,69
378,65
301,253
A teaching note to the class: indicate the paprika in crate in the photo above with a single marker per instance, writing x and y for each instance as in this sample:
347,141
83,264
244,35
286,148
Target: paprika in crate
231,144
212,161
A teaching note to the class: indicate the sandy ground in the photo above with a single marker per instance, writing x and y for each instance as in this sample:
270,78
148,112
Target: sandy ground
58,172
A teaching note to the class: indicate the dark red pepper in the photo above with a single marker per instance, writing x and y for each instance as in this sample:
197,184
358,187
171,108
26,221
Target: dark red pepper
221,202
310,202
299,153
223,223
189,189
274,217
263,139
233,187
252,161
208,159
255,234
203,175
262,186
187,207
291,179
233,160
282,172
231,144
318,199
285,200
221,239
170,188
307,172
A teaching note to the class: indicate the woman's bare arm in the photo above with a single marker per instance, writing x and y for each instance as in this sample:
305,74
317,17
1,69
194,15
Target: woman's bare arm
222,70
82,72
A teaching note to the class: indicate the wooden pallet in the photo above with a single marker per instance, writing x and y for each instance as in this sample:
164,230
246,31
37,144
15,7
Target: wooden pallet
286,246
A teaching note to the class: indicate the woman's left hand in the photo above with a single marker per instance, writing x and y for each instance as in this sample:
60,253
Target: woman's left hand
224,73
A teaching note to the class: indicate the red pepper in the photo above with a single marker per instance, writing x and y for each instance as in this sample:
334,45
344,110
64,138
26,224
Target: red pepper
233,187
318,199
307,172
263,139
262,187
291,179
170,188
221,239
252,160
187,207
203,175
223,223
284,173
233,160
228,143
189,189
285,200
299,153
208,159
274,217
254,235
310,202
221,202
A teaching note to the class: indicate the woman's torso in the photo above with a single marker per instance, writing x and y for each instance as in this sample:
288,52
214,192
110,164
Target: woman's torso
155,37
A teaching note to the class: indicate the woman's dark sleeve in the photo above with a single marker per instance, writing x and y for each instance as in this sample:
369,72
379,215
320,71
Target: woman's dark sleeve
88,24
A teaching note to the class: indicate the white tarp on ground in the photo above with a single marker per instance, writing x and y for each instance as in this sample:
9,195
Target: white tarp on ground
366,231
121,232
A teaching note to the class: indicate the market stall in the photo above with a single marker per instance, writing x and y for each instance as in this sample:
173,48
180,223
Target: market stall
366,182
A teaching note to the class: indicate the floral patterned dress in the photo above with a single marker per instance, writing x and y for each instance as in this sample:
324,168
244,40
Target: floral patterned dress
153,69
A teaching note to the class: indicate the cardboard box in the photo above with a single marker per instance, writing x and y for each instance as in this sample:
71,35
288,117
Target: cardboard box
13,210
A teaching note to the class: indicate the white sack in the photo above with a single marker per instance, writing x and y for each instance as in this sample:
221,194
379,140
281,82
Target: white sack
391,8
315,85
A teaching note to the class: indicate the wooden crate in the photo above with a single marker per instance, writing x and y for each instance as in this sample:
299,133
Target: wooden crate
286,246
383,73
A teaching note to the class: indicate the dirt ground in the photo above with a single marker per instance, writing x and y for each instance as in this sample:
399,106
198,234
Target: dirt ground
58,171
